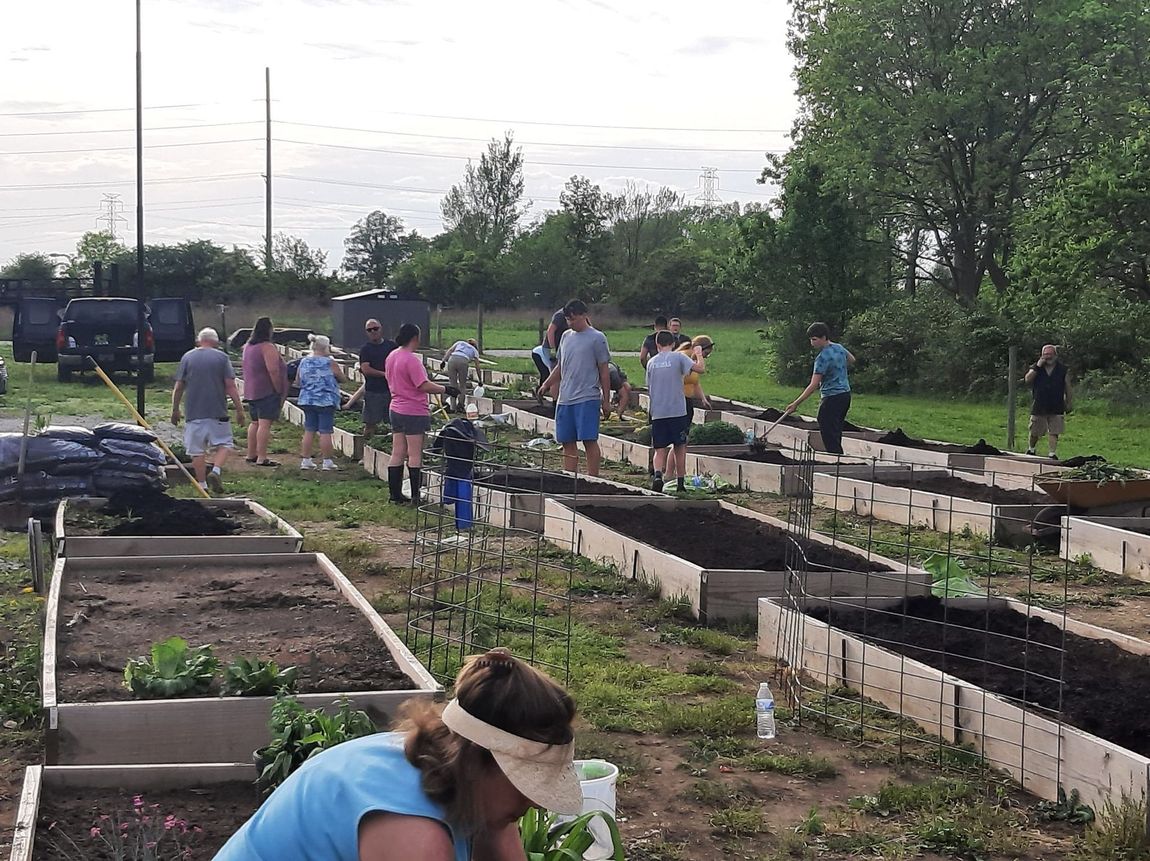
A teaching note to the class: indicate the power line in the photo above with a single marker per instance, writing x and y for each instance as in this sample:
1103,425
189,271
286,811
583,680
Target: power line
528,143
123,148
582,125
755,170
118,110
103,183
125,131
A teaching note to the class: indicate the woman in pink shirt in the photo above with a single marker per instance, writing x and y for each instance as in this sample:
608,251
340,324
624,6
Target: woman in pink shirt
410,415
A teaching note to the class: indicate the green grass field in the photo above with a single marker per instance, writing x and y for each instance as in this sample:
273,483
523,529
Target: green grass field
740,369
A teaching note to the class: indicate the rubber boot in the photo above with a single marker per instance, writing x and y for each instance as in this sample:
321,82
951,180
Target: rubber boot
395,483
415,473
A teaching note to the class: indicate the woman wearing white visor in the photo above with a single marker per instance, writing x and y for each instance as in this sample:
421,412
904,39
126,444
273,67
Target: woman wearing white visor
448,786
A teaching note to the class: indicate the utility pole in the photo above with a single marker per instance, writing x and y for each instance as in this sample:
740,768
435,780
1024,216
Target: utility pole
268,174
140,293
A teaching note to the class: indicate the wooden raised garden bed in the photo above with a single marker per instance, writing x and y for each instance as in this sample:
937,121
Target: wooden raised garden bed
897,663
720,557
1095,494
513,497
1117,544
218,797
296,609
934,498
82,527
531,417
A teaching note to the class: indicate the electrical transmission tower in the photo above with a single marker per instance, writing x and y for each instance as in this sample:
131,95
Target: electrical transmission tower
709,182
112,206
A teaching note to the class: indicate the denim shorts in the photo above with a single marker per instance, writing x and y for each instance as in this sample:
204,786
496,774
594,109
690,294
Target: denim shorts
267,408
577,422
318,419
405,424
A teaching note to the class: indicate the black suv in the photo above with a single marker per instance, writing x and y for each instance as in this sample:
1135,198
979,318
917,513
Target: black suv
105,330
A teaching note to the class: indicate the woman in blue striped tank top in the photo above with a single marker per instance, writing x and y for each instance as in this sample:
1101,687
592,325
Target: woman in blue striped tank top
448,786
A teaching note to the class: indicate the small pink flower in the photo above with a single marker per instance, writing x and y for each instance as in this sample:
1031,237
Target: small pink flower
123,826
94,831
137,801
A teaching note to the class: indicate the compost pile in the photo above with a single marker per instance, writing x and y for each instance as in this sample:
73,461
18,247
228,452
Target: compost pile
64,461
153,512
718,538
897,437
1105,689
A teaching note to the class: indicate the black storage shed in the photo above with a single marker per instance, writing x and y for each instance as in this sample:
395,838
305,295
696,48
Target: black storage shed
351,311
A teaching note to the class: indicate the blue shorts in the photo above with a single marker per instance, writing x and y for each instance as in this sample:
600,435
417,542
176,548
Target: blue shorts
671,431
577,422
318,419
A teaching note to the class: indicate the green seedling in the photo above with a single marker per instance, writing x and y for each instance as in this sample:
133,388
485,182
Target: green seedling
172,670
1068,808
546,838
246,677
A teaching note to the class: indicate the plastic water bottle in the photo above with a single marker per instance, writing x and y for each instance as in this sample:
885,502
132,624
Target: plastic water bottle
749,436
765,712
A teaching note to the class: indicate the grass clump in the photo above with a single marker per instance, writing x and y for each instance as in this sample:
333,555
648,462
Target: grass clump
796,765
738,820
1119,834
707,639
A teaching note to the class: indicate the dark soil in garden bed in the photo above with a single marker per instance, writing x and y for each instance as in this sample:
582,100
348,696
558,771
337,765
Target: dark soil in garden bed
219,810
287,611
546,409
947,485
770,414
897,437
553,484
719,538
152,512
1106,690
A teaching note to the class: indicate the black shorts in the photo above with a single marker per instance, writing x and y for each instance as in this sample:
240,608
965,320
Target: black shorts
671,431
267,408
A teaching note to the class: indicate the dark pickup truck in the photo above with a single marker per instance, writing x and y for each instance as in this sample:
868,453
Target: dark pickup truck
104,330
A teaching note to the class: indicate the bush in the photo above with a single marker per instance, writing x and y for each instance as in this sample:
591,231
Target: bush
715,433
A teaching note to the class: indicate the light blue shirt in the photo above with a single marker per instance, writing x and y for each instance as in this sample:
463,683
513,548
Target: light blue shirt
831,362
318,386
314,815
665,374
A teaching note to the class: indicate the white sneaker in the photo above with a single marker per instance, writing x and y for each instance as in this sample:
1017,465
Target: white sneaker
329,466
307,463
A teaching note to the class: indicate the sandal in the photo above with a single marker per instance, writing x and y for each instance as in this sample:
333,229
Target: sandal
266,462
251,460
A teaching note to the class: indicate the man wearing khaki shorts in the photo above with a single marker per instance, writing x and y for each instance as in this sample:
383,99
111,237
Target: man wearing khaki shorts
206,375
1049,381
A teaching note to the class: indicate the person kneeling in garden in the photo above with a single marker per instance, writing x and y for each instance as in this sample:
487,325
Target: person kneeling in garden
449,786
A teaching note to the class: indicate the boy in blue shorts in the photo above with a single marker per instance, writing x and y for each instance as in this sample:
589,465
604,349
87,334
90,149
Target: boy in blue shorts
670,418
583,379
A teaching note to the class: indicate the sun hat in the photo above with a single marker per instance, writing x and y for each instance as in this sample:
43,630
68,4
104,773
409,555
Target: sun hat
544,773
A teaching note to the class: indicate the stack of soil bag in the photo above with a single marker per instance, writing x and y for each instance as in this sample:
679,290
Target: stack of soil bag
74,461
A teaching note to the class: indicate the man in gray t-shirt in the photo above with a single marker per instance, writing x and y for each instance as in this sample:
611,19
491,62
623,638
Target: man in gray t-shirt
583,379
206,376
670,417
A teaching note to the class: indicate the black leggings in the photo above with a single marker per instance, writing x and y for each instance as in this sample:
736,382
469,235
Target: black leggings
832,416
544,371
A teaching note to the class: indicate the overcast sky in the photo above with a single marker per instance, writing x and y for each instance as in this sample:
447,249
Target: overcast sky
377,104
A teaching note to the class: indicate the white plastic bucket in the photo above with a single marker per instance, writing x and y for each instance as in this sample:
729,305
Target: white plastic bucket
597,777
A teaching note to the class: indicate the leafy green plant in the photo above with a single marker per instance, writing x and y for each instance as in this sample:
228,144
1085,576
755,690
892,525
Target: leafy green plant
950,578
172,670
1101,472
1068,808
715,433
246,677
299,733
546,838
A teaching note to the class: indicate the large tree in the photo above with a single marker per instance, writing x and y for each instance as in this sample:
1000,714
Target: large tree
484,210
293,256
95,246
952,111
375,246
30,267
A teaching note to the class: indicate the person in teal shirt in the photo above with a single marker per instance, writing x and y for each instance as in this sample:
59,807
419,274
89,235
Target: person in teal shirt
830,378
448,786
